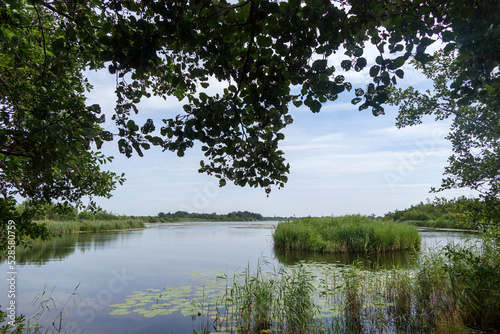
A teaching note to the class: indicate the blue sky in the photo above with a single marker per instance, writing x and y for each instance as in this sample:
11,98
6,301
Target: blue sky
343,161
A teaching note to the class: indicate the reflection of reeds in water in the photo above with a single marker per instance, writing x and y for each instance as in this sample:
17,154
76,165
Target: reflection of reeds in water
371,260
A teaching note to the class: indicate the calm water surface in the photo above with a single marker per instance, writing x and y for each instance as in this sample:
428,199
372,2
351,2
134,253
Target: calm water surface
106,267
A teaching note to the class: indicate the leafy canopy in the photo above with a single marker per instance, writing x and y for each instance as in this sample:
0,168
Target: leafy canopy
474,132
259,49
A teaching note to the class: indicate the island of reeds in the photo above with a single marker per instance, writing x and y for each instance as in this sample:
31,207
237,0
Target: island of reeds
352,233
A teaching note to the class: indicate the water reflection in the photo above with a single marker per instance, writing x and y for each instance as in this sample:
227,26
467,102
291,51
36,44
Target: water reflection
387,260
432,240
58,248
245,235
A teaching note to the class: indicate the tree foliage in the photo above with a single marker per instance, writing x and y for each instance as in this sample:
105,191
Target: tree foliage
421,212
46,126
187,216
268,54
474,131
461,212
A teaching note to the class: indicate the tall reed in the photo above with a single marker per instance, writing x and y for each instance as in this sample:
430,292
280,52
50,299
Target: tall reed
281,301
353,301
400,298
63,227
346,234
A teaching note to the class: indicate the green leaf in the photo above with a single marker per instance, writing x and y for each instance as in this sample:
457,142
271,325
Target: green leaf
450,47
148,127
346,65
107,26
359,92
98,143
360,64
319,65
315,106
397,48
382,97
132,126
397,62
426,41
374,70
447,36
358,52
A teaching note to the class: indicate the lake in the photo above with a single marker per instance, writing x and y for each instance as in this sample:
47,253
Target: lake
106,267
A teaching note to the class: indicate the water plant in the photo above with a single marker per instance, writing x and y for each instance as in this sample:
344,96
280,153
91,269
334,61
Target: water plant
353,302
474,279
354,233
280,300
48,318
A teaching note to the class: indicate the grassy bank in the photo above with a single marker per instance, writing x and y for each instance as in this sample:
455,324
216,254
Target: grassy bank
62,227
353,233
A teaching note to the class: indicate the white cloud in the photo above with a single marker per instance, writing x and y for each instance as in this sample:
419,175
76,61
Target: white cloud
342,161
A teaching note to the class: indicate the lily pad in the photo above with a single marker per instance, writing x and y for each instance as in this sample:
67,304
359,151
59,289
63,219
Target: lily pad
119,311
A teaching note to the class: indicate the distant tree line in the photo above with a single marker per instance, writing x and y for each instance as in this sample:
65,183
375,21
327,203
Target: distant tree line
186,216
62,212
462,212
423,212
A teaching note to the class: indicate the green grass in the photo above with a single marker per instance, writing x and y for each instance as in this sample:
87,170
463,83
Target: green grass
63,227
353,233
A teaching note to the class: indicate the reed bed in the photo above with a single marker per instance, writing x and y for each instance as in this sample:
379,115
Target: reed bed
344,234
63,227
332,298
280,301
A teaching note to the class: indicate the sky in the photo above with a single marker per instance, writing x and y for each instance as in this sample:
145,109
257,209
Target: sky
342,161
